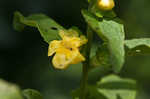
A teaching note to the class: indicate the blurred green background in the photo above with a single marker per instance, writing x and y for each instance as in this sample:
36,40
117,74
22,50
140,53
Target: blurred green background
23,55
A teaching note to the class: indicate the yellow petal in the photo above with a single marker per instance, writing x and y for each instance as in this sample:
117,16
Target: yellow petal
77,41
79,58
68,33
63,58
59,61
83,40
72,42
71,38
73,33
53,47
62,33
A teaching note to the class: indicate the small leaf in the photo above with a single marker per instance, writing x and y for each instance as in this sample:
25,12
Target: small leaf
32,94
48,27
138,46
114,87
112,32
9,91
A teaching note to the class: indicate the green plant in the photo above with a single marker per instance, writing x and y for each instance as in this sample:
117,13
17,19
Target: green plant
70,46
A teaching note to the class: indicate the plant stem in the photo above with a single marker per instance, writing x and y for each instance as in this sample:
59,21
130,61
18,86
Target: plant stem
86,64
84,81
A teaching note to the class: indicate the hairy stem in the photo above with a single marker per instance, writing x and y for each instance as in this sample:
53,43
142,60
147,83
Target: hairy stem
86,64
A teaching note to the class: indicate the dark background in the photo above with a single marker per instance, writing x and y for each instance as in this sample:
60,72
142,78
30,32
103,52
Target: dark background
23,55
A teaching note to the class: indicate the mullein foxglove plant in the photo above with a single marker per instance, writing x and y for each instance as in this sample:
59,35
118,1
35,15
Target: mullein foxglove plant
71,46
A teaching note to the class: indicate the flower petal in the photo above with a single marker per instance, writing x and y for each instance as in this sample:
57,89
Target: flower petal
54,45
71,42
59,61
71,38
79,58
83,40
63,58
68,33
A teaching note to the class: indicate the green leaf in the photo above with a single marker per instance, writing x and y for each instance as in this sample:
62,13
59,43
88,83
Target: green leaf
48,27
32,94
9,91
110,87
138,46
114,87
112,32
93,93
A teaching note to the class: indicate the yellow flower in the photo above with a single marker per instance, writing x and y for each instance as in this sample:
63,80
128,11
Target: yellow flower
106,4
66,50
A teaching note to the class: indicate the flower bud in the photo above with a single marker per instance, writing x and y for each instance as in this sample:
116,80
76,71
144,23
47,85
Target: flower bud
106,4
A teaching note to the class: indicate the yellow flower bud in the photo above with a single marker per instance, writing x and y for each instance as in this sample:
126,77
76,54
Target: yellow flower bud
106,4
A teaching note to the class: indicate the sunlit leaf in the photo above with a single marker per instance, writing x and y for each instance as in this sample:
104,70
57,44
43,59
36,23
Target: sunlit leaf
114,87
48,27
110,87
138,46
112,32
